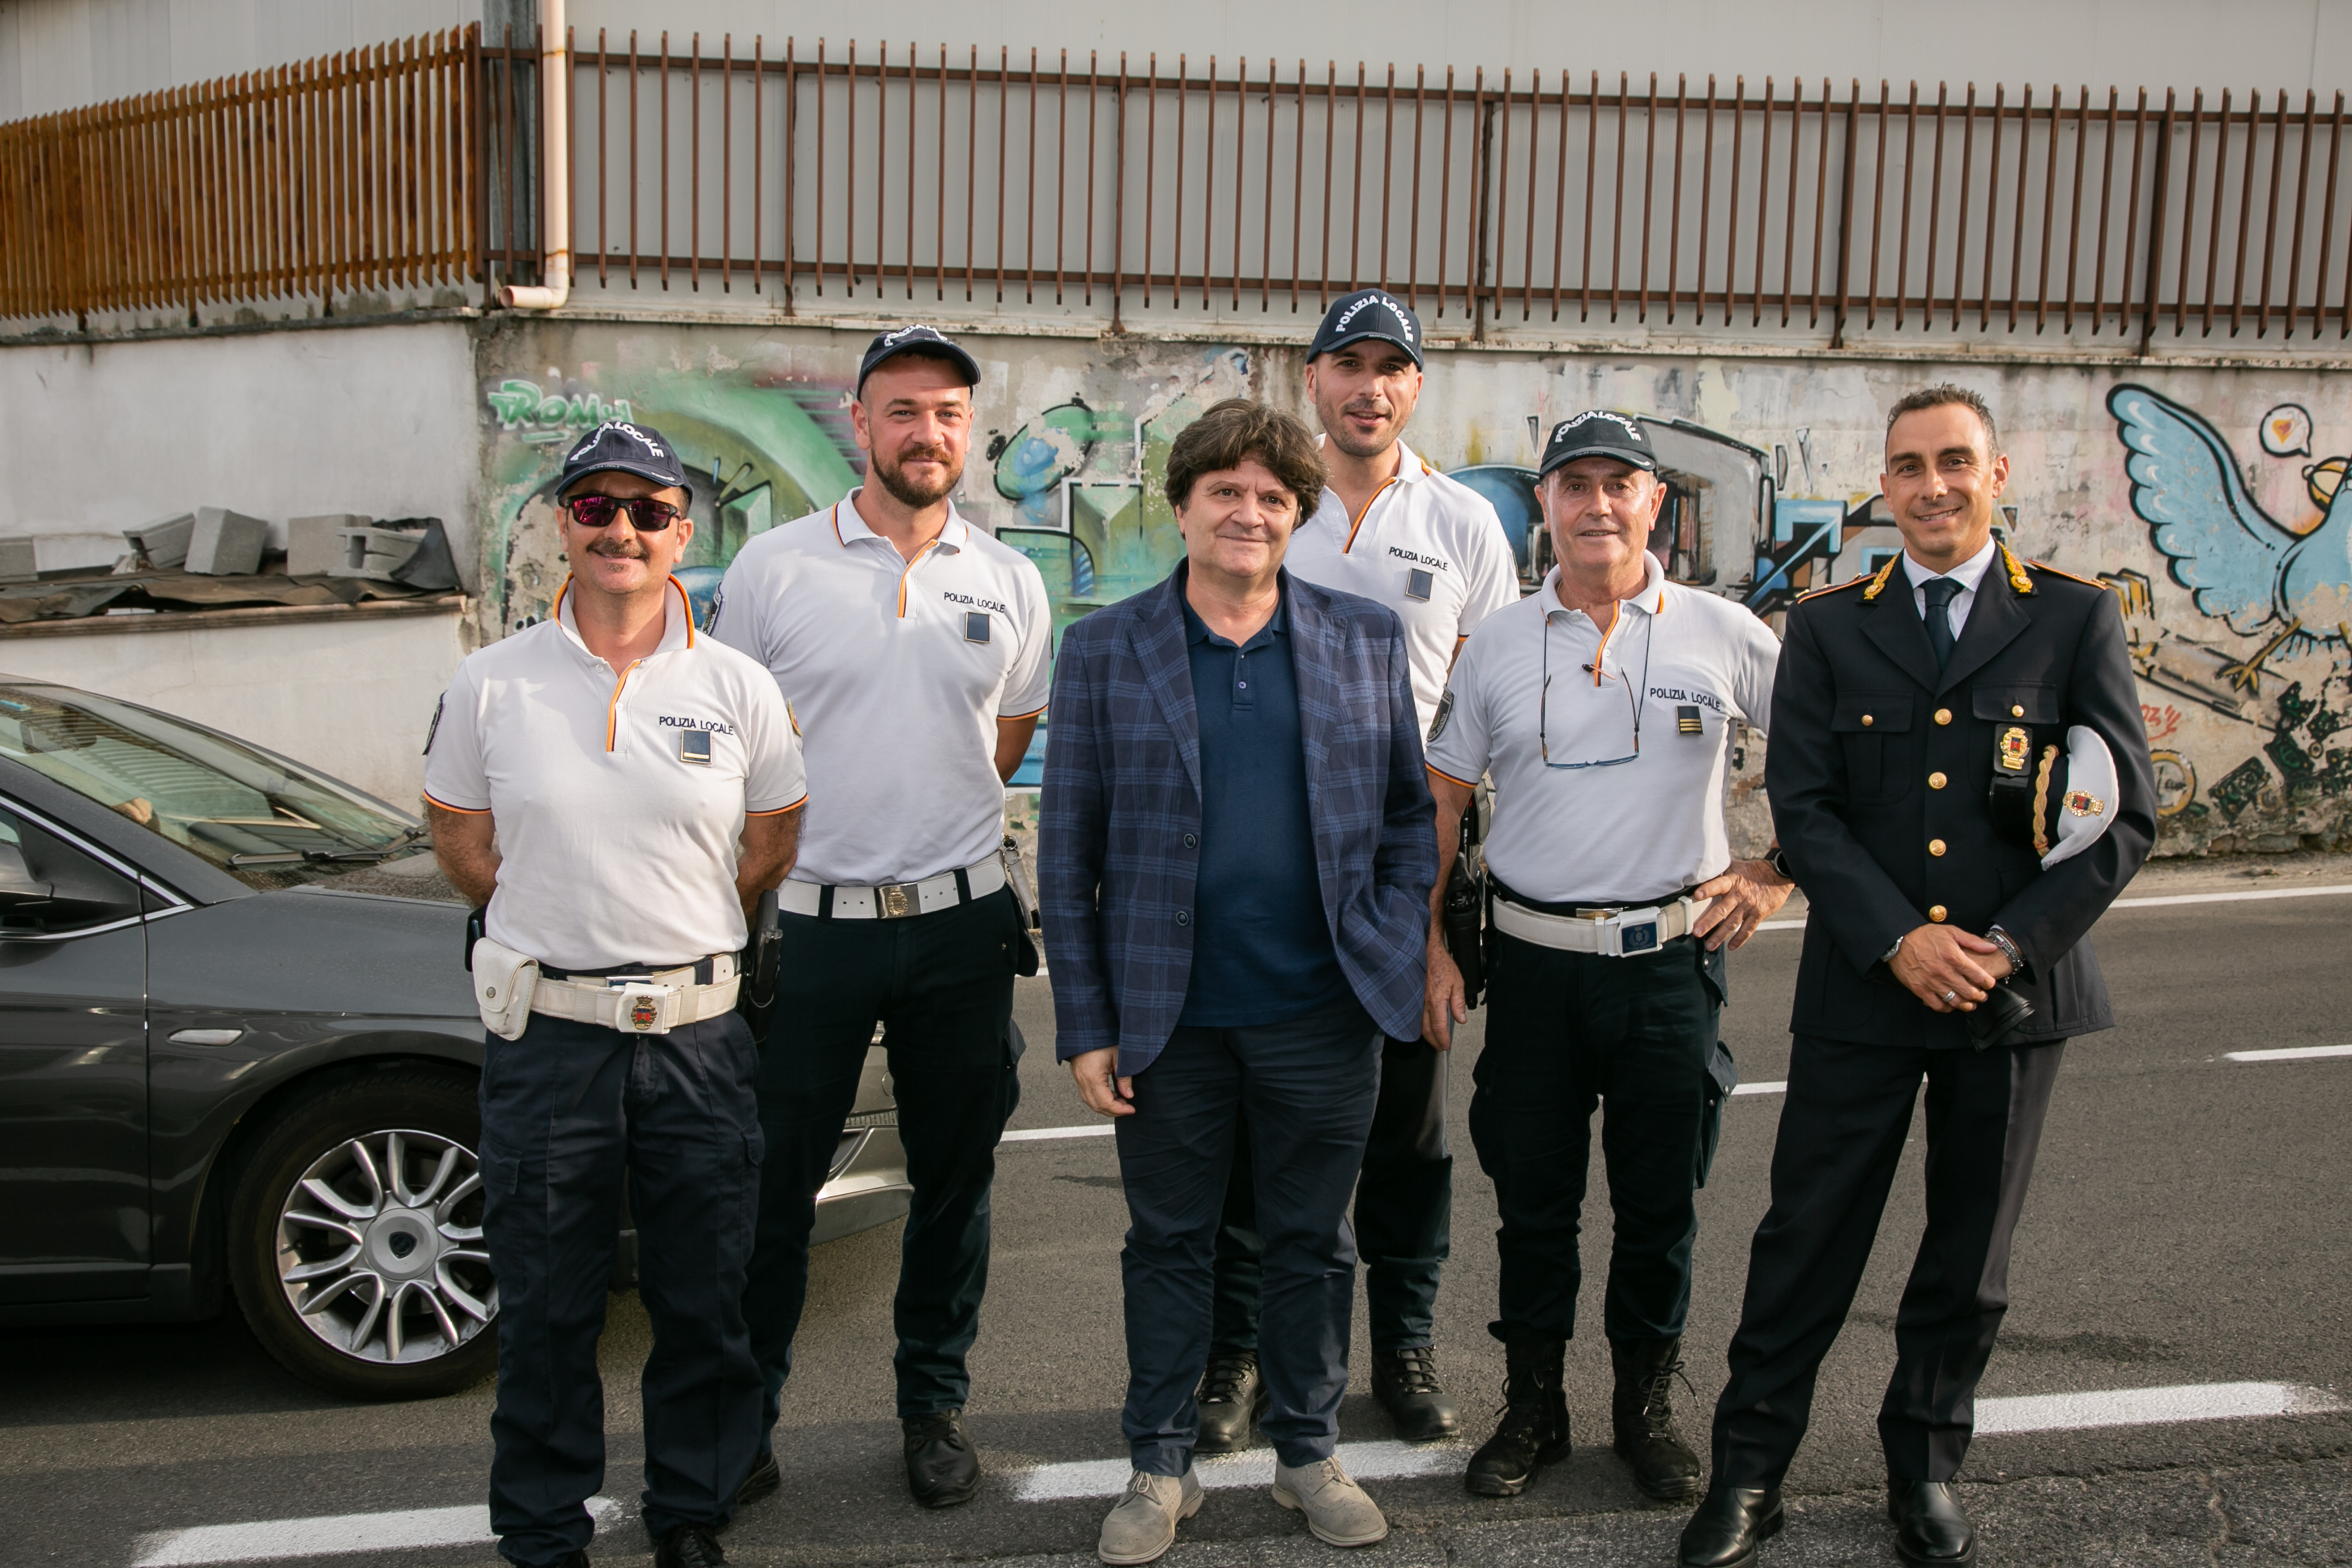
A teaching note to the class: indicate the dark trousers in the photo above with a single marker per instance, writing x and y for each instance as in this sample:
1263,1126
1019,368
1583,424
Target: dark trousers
1843,1129
569,1111
1306,1089
1567,1032
1404,1211
940,985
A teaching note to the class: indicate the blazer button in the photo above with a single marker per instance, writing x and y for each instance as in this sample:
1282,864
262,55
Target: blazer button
1184,917
1867,721
1934,912
1936,781
1943,715
1192,841
2016,712
1935,847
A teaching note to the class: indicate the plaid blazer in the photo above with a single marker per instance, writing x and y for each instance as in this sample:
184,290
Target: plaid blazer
1123,792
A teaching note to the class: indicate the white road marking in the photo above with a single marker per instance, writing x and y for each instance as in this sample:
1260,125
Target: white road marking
2150,1406
332,1534
2159,901
1771,1086
2288,1054
1383,1460
1042,1134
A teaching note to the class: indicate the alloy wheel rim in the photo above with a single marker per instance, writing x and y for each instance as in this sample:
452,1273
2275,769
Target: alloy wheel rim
380,1249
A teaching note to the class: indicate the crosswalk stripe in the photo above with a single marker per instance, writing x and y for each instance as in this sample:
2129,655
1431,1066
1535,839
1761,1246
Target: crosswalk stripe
2288,1054
264,1540
2150,1406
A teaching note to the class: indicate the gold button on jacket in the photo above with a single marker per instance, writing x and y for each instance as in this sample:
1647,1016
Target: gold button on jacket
1943,715
1935,847
1936,781
1935,912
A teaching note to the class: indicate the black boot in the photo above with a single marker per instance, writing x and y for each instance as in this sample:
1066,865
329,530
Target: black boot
941,1468
1405,1383
1231,1395
1728,1524
1533,1432
1930,1529
1642,1414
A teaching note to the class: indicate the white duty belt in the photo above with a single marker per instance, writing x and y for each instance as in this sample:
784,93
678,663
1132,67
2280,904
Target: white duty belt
641,1003
1613,932
893,900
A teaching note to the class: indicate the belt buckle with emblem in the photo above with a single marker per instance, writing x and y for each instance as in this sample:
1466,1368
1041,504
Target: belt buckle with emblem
896,900
644,1013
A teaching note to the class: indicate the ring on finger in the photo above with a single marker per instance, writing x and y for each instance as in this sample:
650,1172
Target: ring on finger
1951,998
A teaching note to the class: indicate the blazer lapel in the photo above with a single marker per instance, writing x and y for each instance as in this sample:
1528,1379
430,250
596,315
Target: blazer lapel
1895,627
1995,620
1160,648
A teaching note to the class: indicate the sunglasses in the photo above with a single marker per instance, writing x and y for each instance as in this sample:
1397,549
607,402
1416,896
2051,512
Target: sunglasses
646,515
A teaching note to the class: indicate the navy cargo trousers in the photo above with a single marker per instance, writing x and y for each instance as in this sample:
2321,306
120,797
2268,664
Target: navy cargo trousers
569,1113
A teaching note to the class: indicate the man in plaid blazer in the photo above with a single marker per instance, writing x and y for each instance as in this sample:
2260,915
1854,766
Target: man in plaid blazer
1237,851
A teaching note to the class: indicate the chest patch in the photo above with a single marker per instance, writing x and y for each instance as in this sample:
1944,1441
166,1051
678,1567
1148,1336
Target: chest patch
694,746
975,626
1418,583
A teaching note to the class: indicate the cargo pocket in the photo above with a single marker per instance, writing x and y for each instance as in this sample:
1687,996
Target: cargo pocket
501,1171
1722,1075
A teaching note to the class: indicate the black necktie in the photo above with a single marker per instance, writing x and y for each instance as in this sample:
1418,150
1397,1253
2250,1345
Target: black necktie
1939,593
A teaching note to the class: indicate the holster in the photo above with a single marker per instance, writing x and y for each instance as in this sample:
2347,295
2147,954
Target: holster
1029,958
761,964
504,981
1462,916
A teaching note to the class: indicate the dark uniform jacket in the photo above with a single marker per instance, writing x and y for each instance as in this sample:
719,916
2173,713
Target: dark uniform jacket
1878,772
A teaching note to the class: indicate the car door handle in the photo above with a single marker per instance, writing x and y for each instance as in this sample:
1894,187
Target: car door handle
207,1036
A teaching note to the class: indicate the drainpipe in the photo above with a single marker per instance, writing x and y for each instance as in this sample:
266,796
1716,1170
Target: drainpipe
554,185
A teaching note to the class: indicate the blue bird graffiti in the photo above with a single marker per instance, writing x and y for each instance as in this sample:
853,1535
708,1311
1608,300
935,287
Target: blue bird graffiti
2245,567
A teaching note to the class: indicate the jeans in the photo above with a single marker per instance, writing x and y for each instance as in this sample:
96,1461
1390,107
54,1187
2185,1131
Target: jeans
1306,1089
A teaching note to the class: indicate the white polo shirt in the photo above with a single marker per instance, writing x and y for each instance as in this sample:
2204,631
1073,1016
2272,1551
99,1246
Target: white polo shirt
1429,547
896,672
1681,663
618,799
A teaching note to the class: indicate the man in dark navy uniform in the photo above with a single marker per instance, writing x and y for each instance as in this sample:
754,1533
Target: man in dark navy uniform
1960,781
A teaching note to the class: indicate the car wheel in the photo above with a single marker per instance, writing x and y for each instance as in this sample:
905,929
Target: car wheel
355,1237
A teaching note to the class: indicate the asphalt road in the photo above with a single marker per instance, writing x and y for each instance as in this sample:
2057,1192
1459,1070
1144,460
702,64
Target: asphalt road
2187,1227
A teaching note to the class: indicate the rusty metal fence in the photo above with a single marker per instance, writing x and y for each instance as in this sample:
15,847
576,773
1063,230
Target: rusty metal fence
840,176
359,170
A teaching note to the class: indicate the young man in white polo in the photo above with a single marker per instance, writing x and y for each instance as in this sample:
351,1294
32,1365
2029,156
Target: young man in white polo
617,791
912,648
1602,706
1392,528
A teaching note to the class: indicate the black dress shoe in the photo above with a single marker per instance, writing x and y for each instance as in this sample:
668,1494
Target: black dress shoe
1931,1530
1232,1396
941,1468
689,1546
1405,1383
1728,1524
764,1479
577,1559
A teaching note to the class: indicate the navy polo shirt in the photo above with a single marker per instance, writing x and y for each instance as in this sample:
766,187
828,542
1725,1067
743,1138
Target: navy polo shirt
1262,948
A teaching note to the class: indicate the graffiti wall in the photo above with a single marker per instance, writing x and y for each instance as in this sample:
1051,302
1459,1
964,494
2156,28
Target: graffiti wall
2205,498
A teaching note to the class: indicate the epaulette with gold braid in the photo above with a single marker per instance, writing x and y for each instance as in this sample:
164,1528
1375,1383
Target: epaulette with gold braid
2015,568
2070,576
1832,588
1878,584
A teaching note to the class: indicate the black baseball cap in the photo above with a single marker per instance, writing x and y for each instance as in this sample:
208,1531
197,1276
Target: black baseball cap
916,338
1368,313
1599,433
617,445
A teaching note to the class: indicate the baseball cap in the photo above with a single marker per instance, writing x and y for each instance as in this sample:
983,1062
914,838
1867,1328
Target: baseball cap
916,338
1599,433
617,445
1368,313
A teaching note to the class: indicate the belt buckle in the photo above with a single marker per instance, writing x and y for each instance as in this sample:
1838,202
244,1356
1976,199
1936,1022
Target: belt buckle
896,900
1635,931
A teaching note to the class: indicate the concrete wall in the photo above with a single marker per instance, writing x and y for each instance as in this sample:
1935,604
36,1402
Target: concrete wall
103,437
352,695
2246,697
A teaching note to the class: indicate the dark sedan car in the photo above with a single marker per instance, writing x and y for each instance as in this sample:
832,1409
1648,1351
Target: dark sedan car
233,1056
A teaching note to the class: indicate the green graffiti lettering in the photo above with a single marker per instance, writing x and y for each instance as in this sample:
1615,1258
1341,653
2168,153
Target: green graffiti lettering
514,402
550,411
2240,789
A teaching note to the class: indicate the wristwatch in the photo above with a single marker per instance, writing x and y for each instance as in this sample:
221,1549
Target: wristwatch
1778,858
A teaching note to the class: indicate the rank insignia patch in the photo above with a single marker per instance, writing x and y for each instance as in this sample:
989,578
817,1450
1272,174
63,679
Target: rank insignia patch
975,626
1418,583
1688,721
694,746
2011,753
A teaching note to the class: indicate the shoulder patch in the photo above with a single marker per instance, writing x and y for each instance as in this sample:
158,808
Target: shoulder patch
434,729
2062,572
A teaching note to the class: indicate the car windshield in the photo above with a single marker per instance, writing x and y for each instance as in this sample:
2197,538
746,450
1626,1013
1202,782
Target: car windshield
264,819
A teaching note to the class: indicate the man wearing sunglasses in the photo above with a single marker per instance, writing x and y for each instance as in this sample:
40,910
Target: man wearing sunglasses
1603,705
614,792
912,648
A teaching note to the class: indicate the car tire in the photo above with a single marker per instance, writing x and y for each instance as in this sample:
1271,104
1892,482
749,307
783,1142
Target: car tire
354,1237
